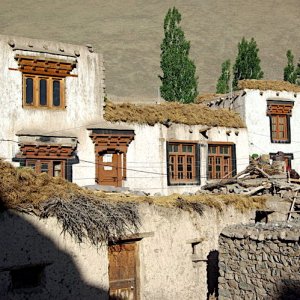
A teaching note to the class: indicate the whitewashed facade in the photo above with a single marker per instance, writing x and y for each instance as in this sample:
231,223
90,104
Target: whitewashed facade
258,108
52,97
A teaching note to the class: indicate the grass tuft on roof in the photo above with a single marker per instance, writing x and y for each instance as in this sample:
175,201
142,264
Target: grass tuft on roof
196,203
189,114
264,85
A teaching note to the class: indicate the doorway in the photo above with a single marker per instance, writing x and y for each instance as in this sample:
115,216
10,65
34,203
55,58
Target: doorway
110,171
123,271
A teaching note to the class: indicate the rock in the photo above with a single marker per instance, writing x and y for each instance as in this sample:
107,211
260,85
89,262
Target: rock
246,286
229,276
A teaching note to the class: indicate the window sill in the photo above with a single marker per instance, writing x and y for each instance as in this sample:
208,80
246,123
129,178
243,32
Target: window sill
183,183
43,108
280,142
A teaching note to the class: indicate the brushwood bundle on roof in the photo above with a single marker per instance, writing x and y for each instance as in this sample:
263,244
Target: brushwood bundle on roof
82,214
189,114
264,85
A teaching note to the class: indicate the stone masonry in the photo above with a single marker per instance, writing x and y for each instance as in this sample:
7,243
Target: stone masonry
260,261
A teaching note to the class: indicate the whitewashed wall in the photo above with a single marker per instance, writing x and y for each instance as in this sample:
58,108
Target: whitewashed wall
147,155
258,124
84,94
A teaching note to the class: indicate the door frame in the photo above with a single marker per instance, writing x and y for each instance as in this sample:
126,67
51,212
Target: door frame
137,261
119,166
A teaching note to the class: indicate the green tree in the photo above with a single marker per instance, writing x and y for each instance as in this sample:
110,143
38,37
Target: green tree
224,79
289,72
179,82
247,63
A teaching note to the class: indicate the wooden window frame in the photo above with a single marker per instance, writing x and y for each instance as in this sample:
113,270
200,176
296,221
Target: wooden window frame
217,158
50,162
36,91
279,113
182,176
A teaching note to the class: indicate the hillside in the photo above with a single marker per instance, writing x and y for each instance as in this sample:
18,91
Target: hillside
129,34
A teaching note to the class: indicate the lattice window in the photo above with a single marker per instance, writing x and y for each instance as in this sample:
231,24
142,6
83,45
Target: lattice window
220,158
55,168
182,162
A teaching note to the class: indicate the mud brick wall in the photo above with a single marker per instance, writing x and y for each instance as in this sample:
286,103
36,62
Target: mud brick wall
260,261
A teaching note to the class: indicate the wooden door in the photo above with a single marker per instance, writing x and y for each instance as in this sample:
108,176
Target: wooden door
122,272
110,169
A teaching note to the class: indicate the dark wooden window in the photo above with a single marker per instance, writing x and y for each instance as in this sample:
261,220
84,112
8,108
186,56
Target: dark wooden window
43,91
27,277
28,91
53,168
279,113
220,157
182,162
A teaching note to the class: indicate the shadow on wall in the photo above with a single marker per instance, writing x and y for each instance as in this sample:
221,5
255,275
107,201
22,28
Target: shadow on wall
33,267
212,274
290,290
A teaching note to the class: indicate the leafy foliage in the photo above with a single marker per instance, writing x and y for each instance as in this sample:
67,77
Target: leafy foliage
290,73
247,63
179,82
224,79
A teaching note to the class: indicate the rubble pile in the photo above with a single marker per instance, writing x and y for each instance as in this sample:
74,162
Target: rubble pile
259,178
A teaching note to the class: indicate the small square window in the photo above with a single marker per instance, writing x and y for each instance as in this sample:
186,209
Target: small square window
27,277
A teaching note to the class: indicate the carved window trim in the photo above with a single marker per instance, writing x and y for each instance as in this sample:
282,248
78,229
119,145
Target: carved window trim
44,158
49,72
111,141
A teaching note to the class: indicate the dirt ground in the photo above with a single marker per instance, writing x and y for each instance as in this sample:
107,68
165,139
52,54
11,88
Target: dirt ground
129,34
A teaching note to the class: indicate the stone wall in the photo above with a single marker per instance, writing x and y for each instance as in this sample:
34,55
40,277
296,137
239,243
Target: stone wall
260,261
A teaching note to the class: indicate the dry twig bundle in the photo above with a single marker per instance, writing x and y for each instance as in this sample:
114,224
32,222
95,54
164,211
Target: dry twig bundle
86,217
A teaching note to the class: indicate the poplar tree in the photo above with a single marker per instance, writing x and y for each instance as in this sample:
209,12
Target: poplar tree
247,63
178,82
289,72
224,79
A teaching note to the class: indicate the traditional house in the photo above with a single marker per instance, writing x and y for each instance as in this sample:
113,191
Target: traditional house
271,112
118,245
57,122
